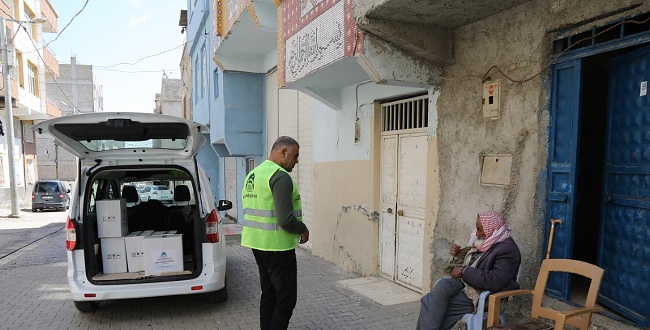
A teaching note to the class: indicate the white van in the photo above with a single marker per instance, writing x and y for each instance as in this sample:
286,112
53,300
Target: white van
121,247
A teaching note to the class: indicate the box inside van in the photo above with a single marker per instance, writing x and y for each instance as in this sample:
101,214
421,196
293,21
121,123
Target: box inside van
170,231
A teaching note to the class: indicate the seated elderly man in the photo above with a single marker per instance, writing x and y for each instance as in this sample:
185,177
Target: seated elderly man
491,263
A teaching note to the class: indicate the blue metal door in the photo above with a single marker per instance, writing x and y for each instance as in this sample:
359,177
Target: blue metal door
624,250
562,167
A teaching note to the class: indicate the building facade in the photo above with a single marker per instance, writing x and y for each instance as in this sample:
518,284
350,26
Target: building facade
30,62
415,115
76,90
169,101
204,86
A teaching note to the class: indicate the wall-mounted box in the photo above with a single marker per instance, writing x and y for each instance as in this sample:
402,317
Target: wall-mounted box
491,100
496,170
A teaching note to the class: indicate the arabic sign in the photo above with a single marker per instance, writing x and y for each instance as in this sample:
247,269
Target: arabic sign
319,43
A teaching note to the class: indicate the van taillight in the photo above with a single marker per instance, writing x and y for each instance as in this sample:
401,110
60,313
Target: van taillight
70,235
61,196
211,227
33,196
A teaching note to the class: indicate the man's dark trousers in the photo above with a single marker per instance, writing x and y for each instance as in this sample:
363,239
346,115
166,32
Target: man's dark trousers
279,282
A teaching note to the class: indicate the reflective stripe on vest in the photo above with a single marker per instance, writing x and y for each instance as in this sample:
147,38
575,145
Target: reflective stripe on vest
268,214
263,226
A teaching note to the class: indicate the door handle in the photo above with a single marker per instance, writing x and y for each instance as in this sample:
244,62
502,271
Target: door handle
400,213
608,198
389,210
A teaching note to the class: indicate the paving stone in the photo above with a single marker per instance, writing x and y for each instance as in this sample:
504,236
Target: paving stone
35,295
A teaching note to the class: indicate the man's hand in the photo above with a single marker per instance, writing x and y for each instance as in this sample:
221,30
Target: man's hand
304,237
457,272
454,250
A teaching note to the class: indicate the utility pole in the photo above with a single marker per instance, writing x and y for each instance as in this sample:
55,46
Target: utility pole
9,115
6,72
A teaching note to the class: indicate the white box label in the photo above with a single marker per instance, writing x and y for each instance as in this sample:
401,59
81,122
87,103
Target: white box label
165,258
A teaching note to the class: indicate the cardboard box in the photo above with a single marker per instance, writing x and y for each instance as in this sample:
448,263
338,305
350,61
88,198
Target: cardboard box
113,255
163,254
135,250
111,218
164,232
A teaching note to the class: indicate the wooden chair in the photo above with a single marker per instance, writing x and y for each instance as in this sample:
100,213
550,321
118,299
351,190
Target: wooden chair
578,317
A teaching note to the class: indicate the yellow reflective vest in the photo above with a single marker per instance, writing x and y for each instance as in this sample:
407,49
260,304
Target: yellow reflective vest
261,230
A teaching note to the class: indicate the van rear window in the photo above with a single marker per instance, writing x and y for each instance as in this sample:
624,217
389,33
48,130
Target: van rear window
47,187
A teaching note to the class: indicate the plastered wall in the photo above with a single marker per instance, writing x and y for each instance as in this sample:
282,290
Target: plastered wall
519,42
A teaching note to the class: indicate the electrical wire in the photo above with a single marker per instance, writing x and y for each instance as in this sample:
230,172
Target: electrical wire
485,77
52,74
143,71
138,61
70,22
36,48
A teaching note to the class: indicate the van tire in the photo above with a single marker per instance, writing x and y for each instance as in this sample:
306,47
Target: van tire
221,295
86,306
34,210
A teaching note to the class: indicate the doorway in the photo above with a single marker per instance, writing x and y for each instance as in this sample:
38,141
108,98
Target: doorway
600,156
403,190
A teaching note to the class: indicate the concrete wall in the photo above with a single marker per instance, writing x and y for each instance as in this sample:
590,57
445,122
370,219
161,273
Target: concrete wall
54,162
346,182
76,87
519,42
169,101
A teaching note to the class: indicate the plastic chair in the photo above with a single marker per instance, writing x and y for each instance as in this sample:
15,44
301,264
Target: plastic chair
474,321
578,317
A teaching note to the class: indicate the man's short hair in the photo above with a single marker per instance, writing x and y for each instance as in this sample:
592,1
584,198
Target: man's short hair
284,141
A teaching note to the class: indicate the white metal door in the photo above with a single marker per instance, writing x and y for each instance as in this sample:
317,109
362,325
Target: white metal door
388,204
403,190
411,200
403,198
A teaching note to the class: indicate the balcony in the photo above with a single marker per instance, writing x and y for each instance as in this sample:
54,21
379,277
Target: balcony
51,63
50,26
53,109
248,36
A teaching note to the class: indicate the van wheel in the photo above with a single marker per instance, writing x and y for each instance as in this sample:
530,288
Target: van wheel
221,295
86,306
33,210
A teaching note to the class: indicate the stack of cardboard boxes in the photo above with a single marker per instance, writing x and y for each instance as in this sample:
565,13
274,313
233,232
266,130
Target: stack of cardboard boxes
154,252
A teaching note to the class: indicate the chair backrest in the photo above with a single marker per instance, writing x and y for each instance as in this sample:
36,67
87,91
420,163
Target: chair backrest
130,194
578,267
182,193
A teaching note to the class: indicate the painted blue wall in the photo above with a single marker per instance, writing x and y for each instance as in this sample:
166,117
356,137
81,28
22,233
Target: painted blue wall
242,123
199,34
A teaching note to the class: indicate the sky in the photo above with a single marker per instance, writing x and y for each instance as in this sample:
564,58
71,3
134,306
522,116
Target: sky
128,42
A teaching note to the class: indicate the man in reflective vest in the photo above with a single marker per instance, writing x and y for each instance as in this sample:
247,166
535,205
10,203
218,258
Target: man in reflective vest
273,228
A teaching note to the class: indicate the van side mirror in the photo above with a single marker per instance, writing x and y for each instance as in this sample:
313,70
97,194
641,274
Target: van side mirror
224,205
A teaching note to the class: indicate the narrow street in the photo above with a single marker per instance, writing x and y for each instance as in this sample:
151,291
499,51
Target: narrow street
35,291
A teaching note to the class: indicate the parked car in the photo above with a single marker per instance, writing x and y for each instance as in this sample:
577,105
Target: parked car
50,194
161,193
111,168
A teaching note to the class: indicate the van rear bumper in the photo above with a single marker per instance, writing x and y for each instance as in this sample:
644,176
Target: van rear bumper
207,282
